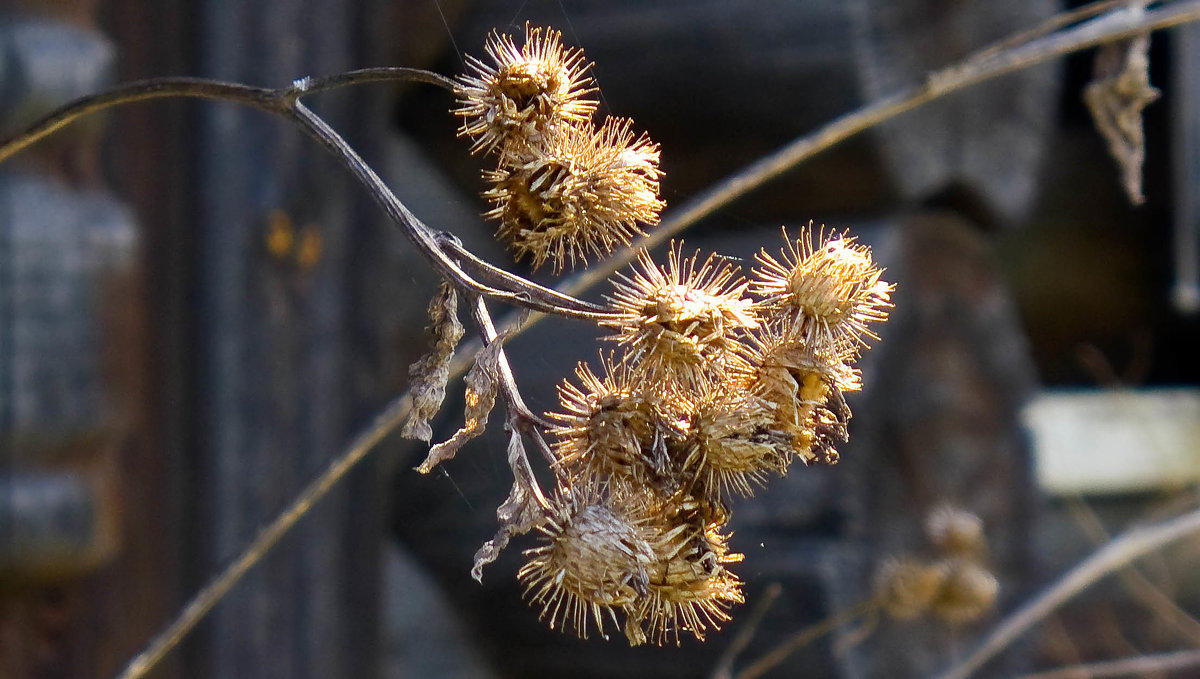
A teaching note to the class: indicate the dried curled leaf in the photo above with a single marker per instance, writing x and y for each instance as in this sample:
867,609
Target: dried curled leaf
522,510
1116,96
482,382
431,373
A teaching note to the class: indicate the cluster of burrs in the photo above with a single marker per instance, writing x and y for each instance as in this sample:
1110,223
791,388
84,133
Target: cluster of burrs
717,381
954,586
562,188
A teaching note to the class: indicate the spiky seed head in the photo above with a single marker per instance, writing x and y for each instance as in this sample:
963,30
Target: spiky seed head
592,563
827,287
803,386
905,587
581,193
526,95
690,588
781,357
732,441
683,323
956,532
608,427
968,592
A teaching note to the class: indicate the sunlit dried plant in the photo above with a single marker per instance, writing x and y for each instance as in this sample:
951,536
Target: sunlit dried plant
682,324
732,441
609,427
578,193
690,587
527,94
717,382
953,585
593,562
826,288
806,385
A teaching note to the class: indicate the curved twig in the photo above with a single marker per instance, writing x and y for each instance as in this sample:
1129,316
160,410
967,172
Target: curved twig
484,271
379,74
285,102
142,90
1141,665
216,589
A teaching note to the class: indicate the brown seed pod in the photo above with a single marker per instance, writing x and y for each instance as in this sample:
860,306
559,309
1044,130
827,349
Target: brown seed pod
905,587
609,428
690,588
579,193
956,532
803,386
683,324
828,291
732,441
526,95
593,562
968,592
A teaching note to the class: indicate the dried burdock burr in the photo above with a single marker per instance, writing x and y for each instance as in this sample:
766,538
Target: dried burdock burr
525,95
682,324
905,587
968,591
732,441
690,587
805,386
593,562
579,193
827,288
956,532
610,427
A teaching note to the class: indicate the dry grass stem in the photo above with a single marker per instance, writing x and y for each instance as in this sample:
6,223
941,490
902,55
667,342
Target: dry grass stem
1142,665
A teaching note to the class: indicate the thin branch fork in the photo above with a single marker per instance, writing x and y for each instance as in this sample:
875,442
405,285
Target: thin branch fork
445,253
521,418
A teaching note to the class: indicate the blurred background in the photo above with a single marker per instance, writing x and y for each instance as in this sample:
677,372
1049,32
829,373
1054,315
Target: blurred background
198,309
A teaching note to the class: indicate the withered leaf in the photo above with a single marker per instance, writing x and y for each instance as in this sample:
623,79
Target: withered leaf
1120,89
431,373
482,382
521,511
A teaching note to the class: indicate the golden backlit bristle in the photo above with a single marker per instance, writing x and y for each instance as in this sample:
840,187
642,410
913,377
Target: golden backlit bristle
591,564
527,94
683,323
827,289
581,193
607,427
